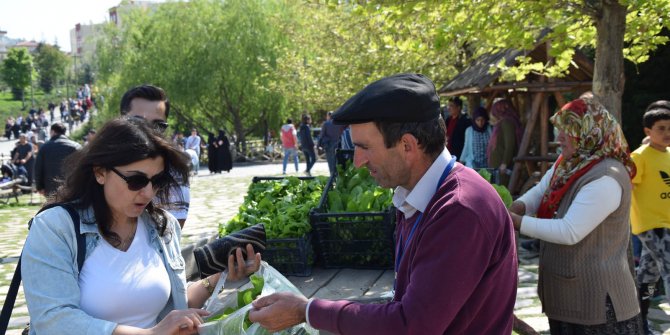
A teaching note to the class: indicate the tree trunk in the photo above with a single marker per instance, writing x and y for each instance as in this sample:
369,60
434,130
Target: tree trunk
608,74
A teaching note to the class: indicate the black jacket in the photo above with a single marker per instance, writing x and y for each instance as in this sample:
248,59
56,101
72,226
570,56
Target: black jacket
50,160
456,141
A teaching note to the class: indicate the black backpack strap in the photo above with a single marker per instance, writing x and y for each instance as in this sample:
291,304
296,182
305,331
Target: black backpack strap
16,279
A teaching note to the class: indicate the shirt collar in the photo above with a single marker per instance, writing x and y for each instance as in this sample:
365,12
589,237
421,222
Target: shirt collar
408,202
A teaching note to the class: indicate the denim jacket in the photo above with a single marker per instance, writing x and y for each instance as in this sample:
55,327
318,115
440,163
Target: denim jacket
50,272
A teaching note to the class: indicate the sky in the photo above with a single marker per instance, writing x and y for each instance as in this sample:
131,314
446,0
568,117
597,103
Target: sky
50,20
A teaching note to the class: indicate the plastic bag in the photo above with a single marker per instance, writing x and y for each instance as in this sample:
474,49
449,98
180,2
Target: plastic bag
233,324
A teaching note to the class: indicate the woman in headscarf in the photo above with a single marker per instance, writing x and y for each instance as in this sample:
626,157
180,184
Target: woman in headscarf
212,153
505,138
580,212
225,162
477,140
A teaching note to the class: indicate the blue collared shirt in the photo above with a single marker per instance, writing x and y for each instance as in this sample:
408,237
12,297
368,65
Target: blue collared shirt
50,272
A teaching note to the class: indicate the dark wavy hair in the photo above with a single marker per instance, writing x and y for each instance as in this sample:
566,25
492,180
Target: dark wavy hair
431,135
121,141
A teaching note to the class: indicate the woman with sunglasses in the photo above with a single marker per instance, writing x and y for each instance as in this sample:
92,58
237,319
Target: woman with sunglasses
132,280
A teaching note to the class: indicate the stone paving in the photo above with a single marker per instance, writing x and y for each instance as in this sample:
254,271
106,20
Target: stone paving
215,199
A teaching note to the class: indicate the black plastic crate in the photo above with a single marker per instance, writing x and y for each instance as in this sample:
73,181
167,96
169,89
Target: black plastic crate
344,155
353,240
290,256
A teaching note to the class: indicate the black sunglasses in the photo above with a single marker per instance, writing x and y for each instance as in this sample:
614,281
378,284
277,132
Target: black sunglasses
157,124
137,182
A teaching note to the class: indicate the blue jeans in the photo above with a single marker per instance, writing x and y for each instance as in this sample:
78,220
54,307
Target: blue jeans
292,152
310,158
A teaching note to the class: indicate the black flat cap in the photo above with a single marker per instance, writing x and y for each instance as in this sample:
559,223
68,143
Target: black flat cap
406,97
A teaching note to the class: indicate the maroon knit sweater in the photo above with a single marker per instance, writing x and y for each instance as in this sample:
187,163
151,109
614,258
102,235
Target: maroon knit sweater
457,276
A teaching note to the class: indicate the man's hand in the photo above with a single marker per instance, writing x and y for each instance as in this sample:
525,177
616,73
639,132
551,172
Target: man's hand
238,268
278,311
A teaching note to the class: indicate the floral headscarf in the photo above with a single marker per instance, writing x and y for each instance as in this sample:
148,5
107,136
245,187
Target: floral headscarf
596,135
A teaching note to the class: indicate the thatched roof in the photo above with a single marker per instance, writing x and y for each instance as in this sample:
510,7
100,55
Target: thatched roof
477,79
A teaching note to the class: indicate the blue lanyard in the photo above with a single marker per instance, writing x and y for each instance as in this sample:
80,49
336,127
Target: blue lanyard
403,246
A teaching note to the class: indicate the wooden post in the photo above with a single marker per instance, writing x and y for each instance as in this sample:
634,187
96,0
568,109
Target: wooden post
525,141
544,133
560,100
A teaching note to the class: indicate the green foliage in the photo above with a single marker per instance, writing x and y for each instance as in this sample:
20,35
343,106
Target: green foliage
356,191
483,27
50,64
503,192
17,71
219,71
283,206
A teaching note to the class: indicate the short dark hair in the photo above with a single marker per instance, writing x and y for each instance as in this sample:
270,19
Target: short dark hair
58,128
289,121
663,104
148,92
431,135
457,101
654,115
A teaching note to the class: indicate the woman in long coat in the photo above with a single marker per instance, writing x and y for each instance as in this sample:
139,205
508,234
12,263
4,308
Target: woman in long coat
225,161
212,156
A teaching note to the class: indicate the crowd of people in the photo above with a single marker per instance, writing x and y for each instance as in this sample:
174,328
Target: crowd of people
455,258
38,128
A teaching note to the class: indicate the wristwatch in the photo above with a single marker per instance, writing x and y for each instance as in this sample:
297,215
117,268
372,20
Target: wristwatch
206,284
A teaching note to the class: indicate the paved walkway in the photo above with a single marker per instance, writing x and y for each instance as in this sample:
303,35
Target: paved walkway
215,199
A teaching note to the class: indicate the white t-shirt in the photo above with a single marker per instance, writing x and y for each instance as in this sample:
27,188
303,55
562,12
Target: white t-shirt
130,288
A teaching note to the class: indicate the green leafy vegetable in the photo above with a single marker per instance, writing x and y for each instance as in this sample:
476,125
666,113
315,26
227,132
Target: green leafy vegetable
503,192
282,206
244,298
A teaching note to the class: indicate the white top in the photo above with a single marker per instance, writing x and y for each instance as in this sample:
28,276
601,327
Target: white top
417,199
592,204
129,288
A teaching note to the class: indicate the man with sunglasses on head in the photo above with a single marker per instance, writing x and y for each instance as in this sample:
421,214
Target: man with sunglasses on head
150,102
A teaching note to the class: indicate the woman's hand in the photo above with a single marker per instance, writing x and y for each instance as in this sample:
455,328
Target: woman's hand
180,322
238,268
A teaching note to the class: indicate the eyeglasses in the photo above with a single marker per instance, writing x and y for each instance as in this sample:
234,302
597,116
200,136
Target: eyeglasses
137,182
159,125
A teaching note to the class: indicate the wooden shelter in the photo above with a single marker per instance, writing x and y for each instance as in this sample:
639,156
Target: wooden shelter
532,97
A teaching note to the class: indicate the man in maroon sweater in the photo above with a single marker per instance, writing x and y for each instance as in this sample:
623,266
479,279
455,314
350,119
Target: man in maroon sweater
456,269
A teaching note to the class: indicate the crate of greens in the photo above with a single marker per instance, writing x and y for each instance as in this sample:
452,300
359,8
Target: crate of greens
354,222
282,205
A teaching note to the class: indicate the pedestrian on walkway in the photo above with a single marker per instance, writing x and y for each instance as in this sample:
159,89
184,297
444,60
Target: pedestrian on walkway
49,160
580,211
456,270
307,143
133,274
193,143
151,103
289,140
225,158
330,140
